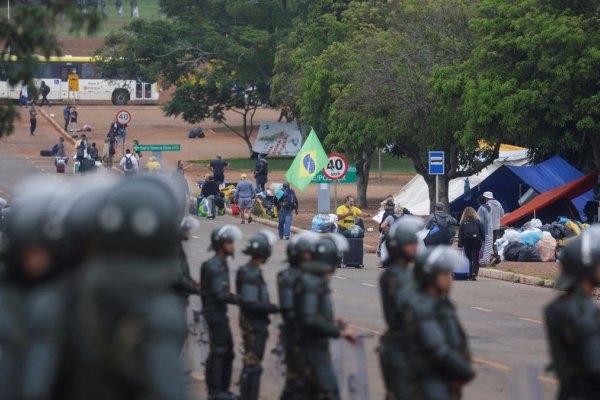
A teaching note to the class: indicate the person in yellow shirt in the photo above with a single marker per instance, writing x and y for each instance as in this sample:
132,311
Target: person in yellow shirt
152,165
348,215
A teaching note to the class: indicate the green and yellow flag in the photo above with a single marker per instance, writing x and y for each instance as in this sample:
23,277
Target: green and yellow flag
308,162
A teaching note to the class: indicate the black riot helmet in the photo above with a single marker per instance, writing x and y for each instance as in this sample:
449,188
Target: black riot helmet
401,233
580,258
327,254
260,244
226,233
434,261
34,226
299,245
140,217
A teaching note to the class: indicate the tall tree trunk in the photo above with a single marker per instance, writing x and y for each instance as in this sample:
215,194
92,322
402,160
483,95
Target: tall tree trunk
247,134
363,167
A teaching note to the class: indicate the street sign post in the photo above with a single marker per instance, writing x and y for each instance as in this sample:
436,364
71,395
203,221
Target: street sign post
157,147
437,167
335,171
123,117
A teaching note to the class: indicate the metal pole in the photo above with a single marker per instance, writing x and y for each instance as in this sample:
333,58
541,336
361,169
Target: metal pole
8,10
437,192
379,156
335,194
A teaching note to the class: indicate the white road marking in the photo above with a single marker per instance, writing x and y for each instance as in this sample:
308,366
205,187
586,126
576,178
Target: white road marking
482,309
368,285
339,277
196,237
535,321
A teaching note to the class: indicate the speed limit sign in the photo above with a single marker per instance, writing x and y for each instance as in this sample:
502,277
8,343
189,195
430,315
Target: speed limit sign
337,167
123,117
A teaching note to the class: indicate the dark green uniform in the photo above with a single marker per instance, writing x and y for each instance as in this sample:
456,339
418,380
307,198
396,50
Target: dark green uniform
255,307
396,286
315,325
573,328
216,295
439,348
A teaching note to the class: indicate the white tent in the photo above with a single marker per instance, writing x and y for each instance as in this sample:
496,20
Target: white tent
415,194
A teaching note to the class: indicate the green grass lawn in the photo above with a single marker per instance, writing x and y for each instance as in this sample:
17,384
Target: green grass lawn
149,9
388,164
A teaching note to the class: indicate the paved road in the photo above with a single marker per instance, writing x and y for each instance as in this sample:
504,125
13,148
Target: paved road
503,320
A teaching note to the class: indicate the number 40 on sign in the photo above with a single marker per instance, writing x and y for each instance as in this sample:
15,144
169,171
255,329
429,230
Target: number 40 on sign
337,167
123,117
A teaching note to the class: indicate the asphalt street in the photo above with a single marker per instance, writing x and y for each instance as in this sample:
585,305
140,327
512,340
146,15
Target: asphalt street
503,320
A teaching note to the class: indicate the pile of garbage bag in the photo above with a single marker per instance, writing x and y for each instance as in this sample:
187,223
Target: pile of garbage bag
323,223
536,242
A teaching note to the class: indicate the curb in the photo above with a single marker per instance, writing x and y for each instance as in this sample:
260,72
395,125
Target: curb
367,248
515,278
56,126
522,279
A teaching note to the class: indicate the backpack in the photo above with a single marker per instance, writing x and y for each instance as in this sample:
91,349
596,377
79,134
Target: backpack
55,149
439,233
128,163
286,199
471,231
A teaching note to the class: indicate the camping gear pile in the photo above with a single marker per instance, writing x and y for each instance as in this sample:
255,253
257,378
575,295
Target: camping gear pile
536,242
322,223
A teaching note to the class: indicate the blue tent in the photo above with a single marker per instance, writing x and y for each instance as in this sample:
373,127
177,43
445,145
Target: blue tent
509,183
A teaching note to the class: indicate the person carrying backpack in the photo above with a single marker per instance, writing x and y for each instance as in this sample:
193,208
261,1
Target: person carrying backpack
129,164
261,172
45,90
286,203
441,227
470,238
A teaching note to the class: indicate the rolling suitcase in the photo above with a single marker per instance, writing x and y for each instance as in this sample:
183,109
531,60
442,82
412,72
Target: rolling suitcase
353,258
461,272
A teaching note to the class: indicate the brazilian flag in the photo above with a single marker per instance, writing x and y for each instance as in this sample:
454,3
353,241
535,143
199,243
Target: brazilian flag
308,162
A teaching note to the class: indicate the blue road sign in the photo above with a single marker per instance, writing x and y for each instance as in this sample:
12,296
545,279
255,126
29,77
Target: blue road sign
436,163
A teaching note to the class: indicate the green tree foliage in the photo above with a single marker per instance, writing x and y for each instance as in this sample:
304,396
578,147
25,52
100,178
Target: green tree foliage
31,31
534,77
218,54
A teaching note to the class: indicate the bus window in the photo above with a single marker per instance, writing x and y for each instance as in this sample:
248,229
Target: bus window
90,71
147,90
49,70
138,90
66,70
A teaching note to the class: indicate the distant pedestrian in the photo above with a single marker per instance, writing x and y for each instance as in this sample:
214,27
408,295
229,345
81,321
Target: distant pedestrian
286,203
349,215
179,170
93,152
497,212
107,157
261,172
210,191
244,196
441,227
470,238
60,148
485,216
82,146
129,164
152,165
136,149
44,90
23,96
218,167
32,118
66,112
388,210
397,213
73,114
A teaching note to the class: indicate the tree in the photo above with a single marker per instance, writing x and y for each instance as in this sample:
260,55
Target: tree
218,54
31,30
534,77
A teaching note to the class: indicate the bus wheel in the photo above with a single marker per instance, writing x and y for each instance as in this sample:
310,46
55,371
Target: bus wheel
120,97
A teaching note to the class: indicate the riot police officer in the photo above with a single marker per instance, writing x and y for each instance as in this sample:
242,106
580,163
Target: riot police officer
216,295
440,356
396,285
299,250
573,319
314,318
255,307
128,319
183,283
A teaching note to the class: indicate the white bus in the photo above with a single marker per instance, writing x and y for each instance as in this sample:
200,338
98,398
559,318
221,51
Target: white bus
55,71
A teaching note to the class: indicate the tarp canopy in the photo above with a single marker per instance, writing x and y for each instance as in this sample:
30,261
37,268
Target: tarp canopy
508,183
555,202
415,194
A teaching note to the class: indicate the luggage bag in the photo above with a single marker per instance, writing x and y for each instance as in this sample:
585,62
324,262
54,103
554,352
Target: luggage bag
353,258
